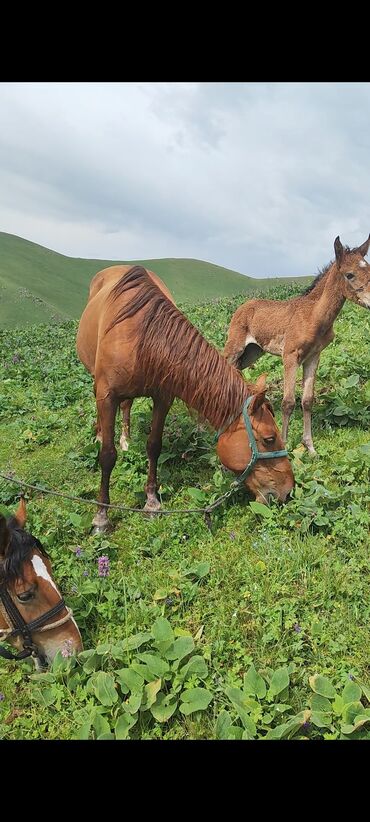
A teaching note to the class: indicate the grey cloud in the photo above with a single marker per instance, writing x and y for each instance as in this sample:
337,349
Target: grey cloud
255,177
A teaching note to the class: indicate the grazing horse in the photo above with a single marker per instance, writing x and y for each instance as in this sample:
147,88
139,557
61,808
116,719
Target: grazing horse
33,615
300,328
136,343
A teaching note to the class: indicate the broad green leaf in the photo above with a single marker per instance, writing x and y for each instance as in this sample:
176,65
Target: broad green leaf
182,646
352,710
321,719
290,728
338,704
235,732
151,690
47,697
321,703
347,729
223,725
351,381
101,725
129,679
365,688
351,693
104,688
163,634
253,683
123,725
196,666
279,681
263,510
157,666
162,710
132,704
197,495
195,699
83,732
107,735
136,640
93,663
243,705
321,685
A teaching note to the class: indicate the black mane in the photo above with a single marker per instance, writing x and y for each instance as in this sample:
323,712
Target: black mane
18,551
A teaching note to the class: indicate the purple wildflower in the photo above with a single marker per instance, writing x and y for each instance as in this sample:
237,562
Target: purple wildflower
169,601
306,726
67,649
103,566
2,697
86,573
16,358
350,676
297,628
78,551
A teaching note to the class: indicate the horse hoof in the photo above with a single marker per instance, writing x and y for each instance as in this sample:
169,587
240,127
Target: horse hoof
101,529
152,508
123,443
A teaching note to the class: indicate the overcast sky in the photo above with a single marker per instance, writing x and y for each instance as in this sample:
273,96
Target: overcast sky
258,177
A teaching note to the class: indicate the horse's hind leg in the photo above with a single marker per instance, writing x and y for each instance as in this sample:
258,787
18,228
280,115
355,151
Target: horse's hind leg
241,348
107,408
154,447
125,436
309,372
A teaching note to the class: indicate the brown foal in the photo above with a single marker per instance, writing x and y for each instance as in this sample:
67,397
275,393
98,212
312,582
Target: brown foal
300,328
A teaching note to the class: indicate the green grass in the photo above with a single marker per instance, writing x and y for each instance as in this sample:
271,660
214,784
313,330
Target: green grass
39,285
304,565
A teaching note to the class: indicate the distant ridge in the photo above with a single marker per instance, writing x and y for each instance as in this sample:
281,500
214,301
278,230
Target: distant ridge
39,285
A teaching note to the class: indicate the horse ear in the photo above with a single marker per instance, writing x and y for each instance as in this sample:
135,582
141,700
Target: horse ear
261,383
257,401
338,248
21,513
363,249
4,535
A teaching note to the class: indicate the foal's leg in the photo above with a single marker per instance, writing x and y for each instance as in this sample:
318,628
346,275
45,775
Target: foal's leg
290,374
309,372
107,409
154,447
125,436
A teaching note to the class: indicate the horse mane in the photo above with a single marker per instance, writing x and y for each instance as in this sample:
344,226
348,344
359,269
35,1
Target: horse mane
324,271
178,359
18,550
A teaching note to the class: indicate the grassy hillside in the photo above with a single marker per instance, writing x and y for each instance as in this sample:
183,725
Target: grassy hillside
38,285
284,589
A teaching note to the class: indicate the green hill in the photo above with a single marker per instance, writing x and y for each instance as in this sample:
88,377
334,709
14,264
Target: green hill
38,285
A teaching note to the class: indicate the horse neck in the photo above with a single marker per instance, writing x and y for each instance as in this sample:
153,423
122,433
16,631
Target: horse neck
327,299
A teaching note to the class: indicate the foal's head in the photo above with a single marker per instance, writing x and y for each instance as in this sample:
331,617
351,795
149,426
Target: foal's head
26,578
354,272
268,477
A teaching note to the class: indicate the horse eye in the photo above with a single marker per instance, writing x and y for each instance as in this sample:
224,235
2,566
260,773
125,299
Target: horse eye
269,440
349,276
26,596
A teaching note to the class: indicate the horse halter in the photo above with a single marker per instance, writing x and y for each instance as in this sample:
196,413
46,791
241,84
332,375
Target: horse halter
256,454
26,629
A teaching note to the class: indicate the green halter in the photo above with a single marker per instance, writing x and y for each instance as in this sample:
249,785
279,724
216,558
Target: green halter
256,454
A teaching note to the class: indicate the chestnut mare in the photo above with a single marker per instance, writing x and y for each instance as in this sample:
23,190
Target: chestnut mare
300,328
33,614
136,343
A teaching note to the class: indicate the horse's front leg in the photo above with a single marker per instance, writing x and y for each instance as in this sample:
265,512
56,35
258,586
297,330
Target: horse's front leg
154,447
107,408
